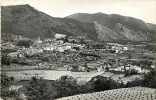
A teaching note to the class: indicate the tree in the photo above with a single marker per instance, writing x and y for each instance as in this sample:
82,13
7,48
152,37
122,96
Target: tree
25,43
134,83
67,86
6,81
37,89
101,83
150,79
5,60
130,72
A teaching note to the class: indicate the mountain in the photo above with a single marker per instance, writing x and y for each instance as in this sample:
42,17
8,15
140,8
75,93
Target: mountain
111,20
130,28
105,33
29,22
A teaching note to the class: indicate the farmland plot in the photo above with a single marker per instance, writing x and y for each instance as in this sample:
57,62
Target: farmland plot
135,93
51,74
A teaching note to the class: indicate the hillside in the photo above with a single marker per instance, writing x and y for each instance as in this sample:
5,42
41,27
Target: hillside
130,28
29,22
135,93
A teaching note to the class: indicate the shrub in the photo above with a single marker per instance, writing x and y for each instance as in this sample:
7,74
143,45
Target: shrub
5,59
37,89
6,81
150,79
101,83
7,93
136,82
25,43
131,72
67,88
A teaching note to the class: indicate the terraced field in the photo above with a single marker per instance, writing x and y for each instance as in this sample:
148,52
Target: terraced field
135,93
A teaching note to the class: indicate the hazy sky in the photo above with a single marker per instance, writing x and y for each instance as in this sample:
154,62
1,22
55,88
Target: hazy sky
142,9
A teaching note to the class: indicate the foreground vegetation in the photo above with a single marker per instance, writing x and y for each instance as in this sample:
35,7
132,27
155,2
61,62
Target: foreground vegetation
40,89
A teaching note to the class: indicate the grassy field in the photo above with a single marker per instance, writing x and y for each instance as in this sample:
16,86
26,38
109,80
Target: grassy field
51,74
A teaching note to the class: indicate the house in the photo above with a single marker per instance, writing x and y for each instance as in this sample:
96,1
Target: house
125,48
92,65
15,87
31,51
37,42
13,54
82,68
8,45
16,55
96,66
60,36
100,68
49,48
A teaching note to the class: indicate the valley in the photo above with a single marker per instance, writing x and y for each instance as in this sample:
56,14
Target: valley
82,53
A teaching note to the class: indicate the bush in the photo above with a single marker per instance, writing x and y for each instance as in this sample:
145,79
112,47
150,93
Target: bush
131,72
6,81
7,93
150,79
67,86
102,83
25,43
39,89
5,60
136,82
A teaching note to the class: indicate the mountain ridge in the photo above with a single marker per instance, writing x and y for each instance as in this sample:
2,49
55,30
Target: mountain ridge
107,17
134,29
26,20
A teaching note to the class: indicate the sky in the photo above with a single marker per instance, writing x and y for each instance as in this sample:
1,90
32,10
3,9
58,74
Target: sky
142,9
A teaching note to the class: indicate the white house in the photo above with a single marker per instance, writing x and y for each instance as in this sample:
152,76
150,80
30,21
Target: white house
60,36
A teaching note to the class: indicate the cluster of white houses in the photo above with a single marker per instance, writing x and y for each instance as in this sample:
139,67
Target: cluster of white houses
48,45
118,48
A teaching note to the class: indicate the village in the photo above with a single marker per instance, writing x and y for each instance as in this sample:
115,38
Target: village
81,63
74,55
